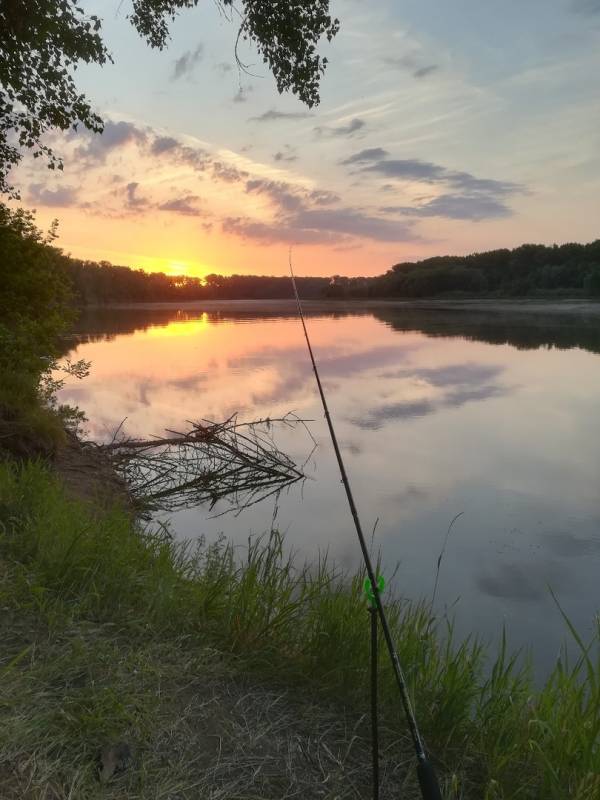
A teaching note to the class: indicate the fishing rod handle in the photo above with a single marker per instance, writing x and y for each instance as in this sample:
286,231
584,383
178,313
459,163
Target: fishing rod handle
428,781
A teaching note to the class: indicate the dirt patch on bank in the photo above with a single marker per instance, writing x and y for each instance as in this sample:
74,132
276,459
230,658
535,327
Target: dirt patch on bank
87,474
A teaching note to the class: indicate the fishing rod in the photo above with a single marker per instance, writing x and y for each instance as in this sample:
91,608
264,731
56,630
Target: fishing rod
428,782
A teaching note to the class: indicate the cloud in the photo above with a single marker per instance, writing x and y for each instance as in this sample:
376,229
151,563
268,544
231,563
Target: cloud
228,173
287,197
408,169
242,94
273,116
133,200
412,64
474,198
463,180
282,194
300,214
114,136
223,67
322,197
414,169
354,222
367,156
451,206
287,154
63,197
422,72
586,6
186,63
195,157
185,205
350,129
319,226
163,144
274,232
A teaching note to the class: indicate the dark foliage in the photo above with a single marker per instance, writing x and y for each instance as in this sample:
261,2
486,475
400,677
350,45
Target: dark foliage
35,296
529,270
101,284
43,41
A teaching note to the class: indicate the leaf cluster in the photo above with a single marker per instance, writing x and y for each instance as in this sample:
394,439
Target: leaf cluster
42,42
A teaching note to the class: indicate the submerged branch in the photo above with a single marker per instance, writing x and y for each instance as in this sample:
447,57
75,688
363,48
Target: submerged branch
237,461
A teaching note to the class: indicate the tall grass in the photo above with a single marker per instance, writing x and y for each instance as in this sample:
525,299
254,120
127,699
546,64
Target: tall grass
494,734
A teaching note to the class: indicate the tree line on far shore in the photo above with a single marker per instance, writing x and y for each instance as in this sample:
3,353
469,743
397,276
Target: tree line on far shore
527,271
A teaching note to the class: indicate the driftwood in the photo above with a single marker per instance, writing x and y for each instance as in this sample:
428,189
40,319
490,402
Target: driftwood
237,461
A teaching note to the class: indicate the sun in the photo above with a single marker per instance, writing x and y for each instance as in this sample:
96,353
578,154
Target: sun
177,268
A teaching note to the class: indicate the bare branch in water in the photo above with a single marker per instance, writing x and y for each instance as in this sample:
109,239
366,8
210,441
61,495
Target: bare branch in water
236,461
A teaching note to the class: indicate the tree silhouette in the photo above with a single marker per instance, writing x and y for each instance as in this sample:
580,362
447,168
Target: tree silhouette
43,41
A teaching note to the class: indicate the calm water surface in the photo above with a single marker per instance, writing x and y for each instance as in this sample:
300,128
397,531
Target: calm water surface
492,415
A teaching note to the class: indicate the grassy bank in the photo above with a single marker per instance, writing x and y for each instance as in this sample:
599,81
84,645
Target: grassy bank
105,630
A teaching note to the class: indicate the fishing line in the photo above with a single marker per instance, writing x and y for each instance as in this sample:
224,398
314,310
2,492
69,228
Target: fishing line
428,781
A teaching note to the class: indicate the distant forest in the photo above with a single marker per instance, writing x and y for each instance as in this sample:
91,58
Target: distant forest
527,271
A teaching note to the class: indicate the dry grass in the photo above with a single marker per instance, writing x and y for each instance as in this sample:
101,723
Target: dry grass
198,726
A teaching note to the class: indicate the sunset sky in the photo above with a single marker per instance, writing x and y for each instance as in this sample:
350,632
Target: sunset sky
444,127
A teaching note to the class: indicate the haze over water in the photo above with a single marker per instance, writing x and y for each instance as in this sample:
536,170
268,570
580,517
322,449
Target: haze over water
438,413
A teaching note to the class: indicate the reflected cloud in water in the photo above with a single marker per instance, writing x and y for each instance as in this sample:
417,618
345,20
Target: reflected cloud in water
526,582
567,545
465,383
292,371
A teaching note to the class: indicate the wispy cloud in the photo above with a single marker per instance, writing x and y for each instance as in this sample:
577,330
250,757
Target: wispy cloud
367,156
223,67
475,207
350,129
470,197
318,225
241,96
114,136
274,116
62,197
186,63
132,198
185,205
287,154
163,144
412,64
283,195
586,6
228,173
422,72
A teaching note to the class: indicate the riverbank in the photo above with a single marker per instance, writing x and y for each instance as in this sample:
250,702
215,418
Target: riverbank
194,658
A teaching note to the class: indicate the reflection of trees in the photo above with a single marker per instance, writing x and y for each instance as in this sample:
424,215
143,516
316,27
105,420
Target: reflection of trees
103,324
519,329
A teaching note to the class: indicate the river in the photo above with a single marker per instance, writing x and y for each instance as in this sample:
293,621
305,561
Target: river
483,412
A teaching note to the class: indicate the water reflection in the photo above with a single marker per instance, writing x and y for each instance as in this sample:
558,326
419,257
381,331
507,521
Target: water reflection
460,384
523,329
438,412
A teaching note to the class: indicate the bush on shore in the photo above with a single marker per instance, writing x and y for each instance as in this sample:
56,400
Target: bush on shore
36,308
